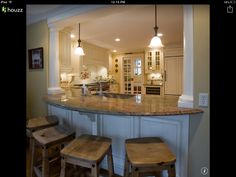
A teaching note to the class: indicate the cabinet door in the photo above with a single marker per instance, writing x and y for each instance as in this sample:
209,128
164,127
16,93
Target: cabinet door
148,61
153,60
137,75
173,75
127,75
158,61
133,74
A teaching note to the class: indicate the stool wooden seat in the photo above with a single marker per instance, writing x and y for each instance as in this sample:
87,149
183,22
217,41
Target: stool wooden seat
148,155
39,123
88,151
47,138
35,124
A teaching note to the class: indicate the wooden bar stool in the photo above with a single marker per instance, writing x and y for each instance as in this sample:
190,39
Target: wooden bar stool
38,123
35,124
148,156
46,139
88,151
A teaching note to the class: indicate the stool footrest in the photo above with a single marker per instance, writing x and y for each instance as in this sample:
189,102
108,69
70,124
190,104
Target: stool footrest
38,168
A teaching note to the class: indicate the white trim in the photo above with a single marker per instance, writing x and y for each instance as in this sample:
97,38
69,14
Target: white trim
186,99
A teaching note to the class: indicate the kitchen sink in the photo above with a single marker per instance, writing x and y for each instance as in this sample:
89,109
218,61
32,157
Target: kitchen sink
115,95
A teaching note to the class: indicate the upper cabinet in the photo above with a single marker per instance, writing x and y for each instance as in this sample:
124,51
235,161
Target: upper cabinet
153,60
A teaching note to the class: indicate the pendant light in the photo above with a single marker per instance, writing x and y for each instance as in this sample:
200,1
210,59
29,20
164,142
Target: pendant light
79,50
156,41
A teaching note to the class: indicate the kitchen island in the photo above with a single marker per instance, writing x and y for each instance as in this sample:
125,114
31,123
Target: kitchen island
127,116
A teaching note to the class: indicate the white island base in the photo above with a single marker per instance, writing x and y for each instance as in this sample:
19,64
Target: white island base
173,129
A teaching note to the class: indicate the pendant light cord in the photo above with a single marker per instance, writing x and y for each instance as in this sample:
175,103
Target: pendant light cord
155,15
155,28
79,36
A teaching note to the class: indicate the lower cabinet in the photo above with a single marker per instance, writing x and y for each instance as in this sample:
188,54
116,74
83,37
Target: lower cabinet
173,129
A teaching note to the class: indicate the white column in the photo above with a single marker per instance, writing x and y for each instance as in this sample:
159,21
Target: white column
186,99
65,51
54,78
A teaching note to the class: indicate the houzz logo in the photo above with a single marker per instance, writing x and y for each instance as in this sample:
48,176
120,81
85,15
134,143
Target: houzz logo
4,9
7,9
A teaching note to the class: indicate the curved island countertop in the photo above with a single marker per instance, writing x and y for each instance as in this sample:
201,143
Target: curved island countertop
138,105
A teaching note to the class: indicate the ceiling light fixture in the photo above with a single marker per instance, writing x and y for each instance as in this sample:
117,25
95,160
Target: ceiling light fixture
79,50
117,39
156,41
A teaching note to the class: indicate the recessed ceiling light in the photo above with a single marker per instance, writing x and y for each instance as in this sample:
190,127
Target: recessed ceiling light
72,36
117,39
114,51
159,34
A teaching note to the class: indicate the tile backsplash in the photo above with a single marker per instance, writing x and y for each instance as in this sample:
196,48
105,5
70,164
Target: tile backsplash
154,76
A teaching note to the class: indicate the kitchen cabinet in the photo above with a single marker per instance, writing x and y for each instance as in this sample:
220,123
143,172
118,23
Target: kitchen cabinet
153,60
173,71
132,74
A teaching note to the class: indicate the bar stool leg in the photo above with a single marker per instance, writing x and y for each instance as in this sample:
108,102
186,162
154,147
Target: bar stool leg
32,158
126,169
171,171
45,163
63,167
110,162
135,172
95,170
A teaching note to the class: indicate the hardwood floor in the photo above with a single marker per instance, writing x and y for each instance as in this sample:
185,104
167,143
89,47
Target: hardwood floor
72,171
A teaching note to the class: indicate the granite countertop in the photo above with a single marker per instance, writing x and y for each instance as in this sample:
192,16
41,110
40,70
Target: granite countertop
137,105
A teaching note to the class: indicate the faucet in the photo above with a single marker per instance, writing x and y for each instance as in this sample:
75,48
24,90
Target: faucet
100,88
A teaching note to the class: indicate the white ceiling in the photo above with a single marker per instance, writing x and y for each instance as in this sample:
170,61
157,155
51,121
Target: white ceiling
133,24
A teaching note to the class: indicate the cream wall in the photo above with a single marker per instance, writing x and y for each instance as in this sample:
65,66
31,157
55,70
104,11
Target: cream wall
37,36
199,153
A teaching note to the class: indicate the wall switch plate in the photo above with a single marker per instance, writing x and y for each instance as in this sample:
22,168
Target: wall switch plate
203,99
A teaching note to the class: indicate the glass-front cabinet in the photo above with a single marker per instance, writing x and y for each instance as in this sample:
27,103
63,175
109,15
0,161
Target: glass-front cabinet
153,60
127,75
132,74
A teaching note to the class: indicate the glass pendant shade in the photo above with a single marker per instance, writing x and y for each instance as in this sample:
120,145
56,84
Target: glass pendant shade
155,42
79,51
